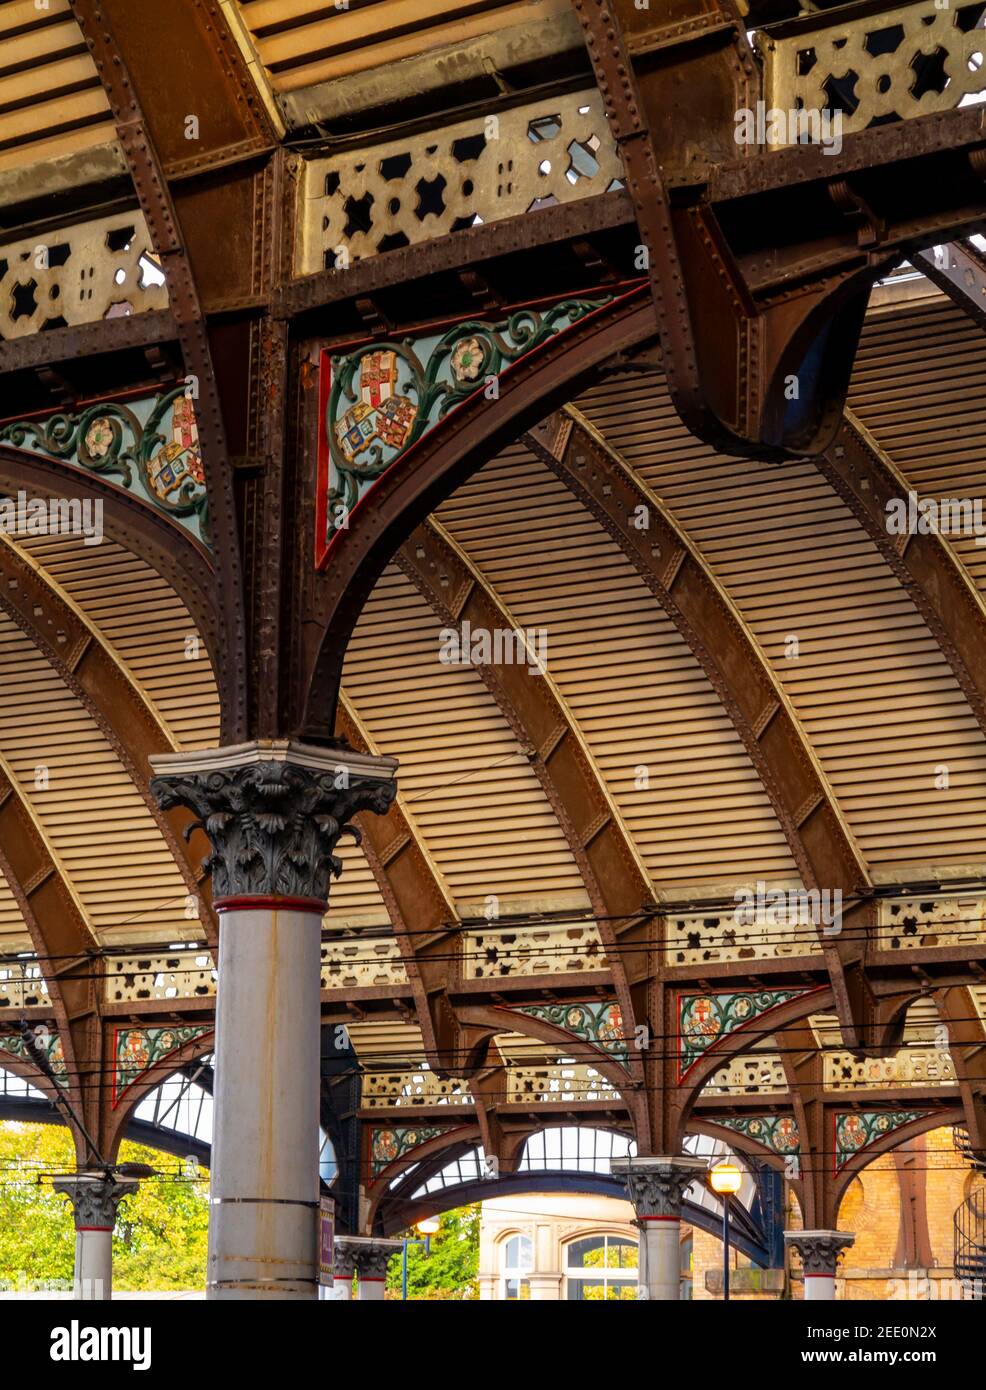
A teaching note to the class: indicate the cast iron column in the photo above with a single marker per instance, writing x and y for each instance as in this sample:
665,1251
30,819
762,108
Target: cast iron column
95,1198
657,1187
274,812
820,1252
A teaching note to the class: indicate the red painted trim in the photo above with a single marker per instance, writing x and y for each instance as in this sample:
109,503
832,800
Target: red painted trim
324,547
660,1218
248,902
818,1276
371,1279
94,1228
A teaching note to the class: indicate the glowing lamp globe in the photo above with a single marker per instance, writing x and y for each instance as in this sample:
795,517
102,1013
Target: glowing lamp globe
725,1179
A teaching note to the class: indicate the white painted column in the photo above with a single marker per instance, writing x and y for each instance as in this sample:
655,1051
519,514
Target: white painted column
820,1252
657,1188
264,1192
274,811
95,1198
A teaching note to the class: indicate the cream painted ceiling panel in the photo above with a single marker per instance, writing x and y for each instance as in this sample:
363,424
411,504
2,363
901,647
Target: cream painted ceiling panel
92,815
874,692
142,619
475,799
638,694
919,386
51,99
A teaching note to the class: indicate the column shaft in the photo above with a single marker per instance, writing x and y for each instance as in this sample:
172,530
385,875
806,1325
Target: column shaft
262,1231
93,1264
660,1257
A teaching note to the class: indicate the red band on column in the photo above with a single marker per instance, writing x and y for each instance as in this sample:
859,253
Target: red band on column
659,1218
372,1279
94,1228
247,902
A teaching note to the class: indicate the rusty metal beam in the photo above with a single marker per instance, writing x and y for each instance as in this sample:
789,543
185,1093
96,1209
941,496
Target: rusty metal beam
512,237
73,647
683,584
88,340
171,551
959,270
230,120
673,83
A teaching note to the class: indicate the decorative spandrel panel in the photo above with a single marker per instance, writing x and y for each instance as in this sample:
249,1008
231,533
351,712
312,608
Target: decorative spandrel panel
95,270
856,1130
777,1132
599,1024
429,185
136,1050
49,1043
889,66
147,445
388,1146
378,399
705,1019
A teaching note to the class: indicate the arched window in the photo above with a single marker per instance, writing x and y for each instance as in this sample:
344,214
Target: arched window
516,1263
601,1267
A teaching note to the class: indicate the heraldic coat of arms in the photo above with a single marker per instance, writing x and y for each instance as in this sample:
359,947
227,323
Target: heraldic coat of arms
379,414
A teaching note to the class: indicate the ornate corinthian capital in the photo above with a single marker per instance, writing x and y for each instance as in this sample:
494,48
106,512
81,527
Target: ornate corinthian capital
657,1186
368,1255
95,1199
820,1251
274,813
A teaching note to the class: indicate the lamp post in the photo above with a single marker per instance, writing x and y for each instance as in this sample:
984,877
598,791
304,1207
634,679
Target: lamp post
427,1227
725,1179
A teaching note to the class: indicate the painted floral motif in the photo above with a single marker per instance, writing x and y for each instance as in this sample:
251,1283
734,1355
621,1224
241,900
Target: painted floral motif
777,1132
467,359
150,447
99,437
137,1049
379,400
705,1018
388,1145
599,1023
856,1129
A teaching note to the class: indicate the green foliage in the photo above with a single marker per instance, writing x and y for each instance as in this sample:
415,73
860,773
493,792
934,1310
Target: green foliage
161,1231
450,1270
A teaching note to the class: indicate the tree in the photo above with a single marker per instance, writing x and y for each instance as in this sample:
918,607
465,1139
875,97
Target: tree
161,1231
450,1269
